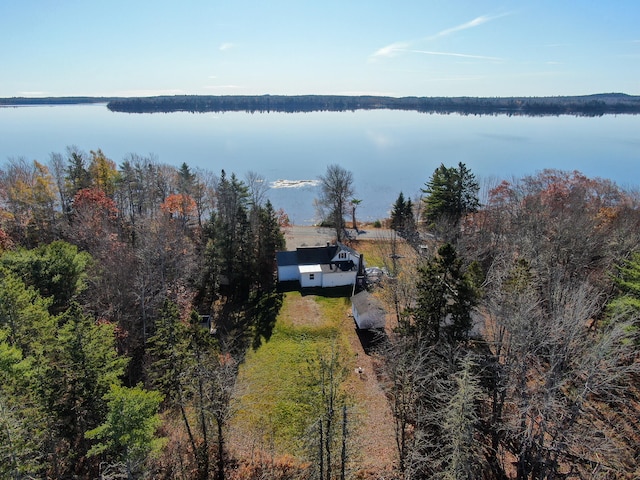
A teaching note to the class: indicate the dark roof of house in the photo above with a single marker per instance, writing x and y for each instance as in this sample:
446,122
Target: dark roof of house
285,259
311,255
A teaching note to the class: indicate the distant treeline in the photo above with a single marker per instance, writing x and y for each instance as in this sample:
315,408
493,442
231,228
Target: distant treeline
586,105
23,101
590,105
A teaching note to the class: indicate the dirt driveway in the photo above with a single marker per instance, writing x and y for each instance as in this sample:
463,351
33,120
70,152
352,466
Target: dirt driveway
304,236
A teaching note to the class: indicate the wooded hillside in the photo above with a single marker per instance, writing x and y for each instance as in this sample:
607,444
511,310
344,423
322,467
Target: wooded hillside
131,293
588,105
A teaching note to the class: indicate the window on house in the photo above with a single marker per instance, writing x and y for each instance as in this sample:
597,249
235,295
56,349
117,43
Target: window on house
342,255
312,276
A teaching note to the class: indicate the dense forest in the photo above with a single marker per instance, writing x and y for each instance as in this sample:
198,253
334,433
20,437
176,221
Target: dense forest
131,295
587,105
108,279
591,105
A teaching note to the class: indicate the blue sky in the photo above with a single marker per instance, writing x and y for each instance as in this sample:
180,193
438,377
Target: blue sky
398,48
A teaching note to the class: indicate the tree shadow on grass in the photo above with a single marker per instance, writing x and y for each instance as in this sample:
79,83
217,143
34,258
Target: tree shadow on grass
266,310
372,339
332,292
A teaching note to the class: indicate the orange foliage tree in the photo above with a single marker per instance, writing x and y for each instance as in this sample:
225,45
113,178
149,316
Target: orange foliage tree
179,205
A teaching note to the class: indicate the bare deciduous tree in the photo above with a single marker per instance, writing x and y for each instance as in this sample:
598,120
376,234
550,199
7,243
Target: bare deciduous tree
336,189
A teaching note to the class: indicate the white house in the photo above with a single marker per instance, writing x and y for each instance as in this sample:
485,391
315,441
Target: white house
330,266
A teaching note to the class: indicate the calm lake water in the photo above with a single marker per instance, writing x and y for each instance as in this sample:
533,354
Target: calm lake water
387,151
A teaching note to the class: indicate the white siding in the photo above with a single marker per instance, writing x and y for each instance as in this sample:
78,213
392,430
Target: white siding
367,320
338,279
310,276
345,256
288,273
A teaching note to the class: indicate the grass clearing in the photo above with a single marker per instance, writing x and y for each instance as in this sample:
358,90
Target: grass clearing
274,382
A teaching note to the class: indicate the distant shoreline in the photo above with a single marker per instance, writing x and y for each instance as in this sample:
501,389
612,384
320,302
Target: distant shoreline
584,105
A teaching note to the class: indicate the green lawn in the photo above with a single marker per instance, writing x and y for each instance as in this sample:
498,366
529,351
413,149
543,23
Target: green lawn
275,382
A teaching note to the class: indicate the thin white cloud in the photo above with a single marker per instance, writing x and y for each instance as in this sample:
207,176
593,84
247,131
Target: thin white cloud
395,48
460,55
226,46
465,26
390,50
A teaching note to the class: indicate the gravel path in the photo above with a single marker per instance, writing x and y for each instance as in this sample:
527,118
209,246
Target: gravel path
303,236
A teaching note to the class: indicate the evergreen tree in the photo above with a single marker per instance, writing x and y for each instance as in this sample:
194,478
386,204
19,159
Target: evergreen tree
402,219
56,270
22,424
75,373
269,240
463,458
446,298
186,179
627,304
167,353
398,213
170,361
77,174
128,434
24,314
451,193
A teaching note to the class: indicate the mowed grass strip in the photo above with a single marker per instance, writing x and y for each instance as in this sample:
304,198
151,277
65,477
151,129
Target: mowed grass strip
275,382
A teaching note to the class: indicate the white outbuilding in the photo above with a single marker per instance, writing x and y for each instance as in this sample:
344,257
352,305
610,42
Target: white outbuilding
368,312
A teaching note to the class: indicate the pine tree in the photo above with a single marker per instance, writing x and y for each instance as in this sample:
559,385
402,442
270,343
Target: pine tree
446,298
56,270
451,193
22,424
462,457
269,240
627,304
128,434
24,314
398,213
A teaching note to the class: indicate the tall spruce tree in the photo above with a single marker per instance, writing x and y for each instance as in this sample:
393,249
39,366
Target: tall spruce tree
446,299
402,219
462,451
451,193
128,434
398,213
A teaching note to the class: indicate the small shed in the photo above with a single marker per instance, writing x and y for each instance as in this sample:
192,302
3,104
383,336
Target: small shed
368,312
310,276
